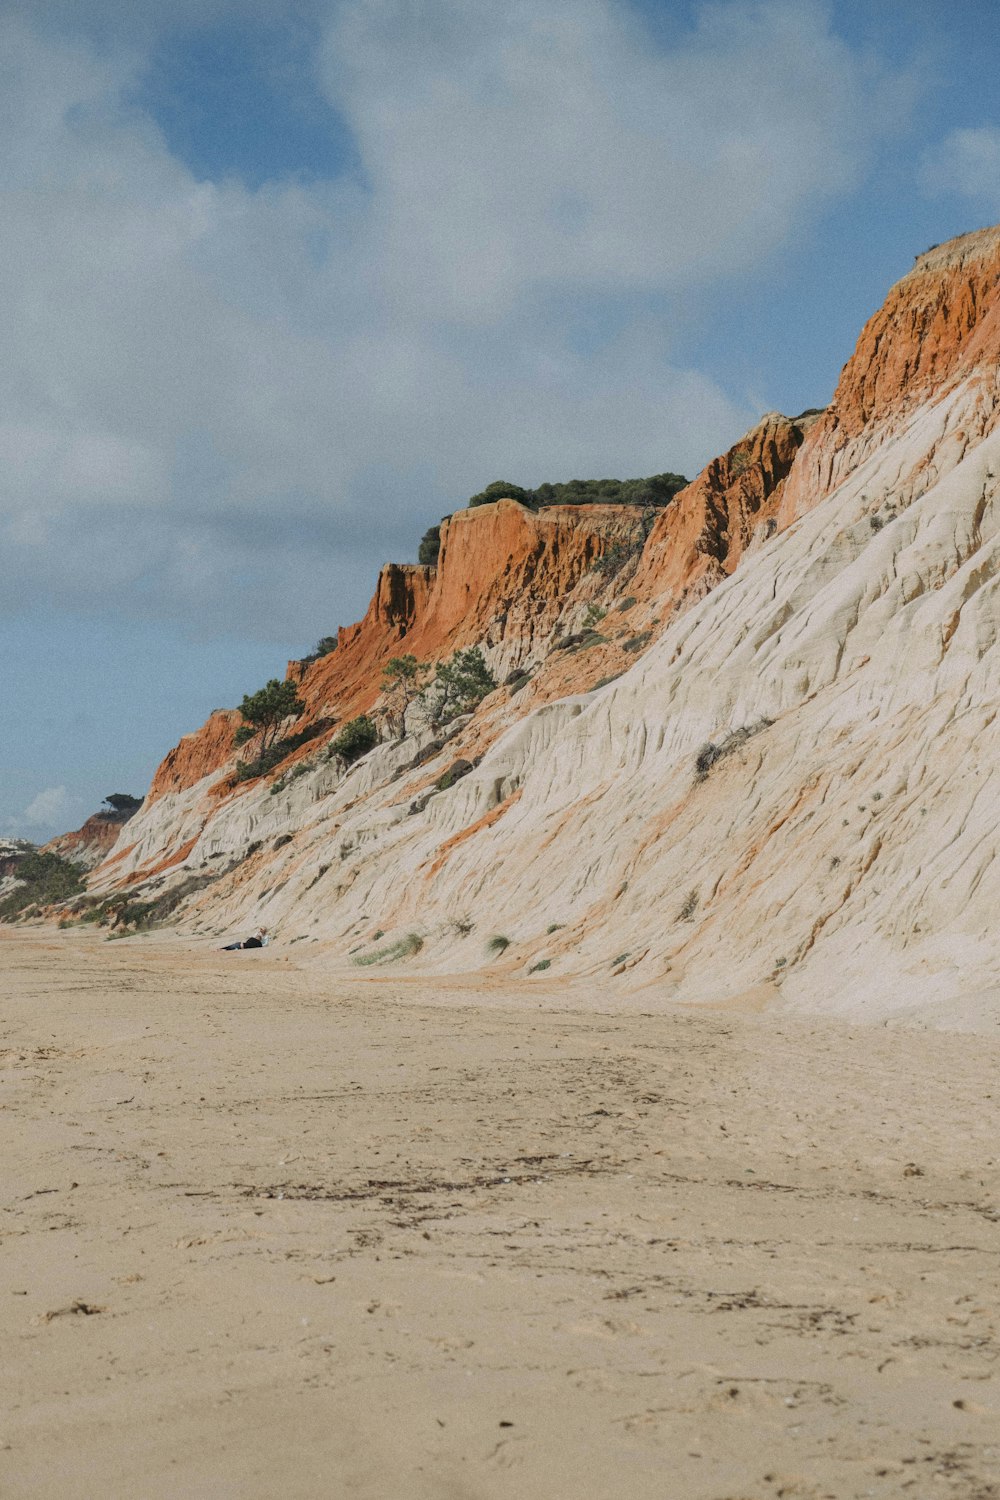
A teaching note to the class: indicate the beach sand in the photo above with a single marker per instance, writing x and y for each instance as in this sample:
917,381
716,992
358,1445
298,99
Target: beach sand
269,1231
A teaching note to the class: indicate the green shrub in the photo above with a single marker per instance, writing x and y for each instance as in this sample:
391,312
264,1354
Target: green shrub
126,914
543,963
500,489
248,770
47,878
121,806
638,642
405,948
430,545
498,944
459,686
357,737
455,772
654,492
325,646
265,711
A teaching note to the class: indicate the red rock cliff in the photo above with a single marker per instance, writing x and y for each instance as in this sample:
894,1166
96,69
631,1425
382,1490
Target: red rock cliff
940,322
501,574
939,325
197,754
701,537
89,844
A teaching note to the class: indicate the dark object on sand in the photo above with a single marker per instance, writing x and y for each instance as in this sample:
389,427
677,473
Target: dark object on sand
257,939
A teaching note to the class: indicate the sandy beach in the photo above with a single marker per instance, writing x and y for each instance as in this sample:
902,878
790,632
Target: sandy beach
268,1231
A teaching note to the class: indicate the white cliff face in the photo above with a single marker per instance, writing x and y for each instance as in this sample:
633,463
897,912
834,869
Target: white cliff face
793,794
842,851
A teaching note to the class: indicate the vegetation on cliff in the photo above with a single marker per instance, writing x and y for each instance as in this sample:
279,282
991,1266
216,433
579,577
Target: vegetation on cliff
324,646
357,737
119,807
44,879
657,490
459,686
654,492
264,712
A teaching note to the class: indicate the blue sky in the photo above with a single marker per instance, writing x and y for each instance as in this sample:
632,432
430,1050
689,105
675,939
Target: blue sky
288,279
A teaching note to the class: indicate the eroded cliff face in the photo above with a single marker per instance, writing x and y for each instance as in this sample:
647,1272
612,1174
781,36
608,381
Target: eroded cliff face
505,576
938,324
90,844
789,792
937,331
197,755
733,504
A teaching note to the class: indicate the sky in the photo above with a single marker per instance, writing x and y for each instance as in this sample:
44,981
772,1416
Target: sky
284,281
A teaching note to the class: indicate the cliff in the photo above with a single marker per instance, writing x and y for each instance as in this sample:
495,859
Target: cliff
766,770
512,580
88,845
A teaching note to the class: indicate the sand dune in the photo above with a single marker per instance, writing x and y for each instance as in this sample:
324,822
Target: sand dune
273,1231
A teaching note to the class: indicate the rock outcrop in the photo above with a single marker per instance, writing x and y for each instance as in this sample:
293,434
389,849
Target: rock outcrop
772,775
91,843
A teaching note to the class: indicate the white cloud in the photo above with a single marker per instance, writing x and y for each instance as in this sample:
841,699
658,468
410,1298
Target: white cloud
545,143
51,807
213,399
966,162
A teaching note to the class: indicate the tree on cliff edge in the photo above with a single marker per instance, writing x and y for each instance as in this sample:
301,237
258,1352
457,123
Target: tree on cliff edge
400,686
265,711
121,806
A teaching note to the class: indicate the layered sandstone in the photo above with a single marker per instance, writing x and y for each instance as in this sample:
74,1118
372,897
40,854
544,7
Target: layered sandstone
502,580
197,755
89,844
788,792
732,504
939,326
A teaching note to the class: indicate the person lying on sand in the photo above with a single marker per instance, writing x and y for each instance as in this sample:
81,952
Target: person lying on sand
257,939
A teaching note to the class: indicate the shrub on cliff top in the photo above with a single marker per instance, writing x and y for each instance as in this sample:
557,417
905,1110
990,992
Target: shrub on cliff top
323,647
501,489
657,490
430,546
121,806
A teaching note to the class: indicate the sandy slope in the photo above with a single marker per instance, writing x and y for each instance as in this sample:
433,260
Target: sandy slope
269,1232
